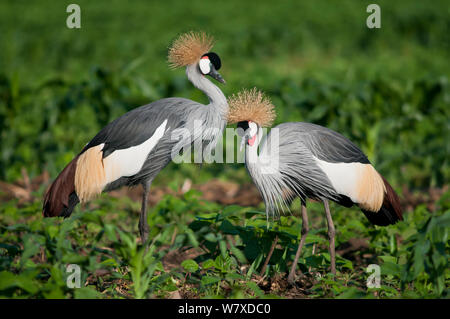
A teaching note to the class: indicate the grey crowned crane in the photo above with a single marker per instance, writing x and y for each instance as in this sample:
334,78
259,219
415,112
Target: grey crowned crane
308,161
135,147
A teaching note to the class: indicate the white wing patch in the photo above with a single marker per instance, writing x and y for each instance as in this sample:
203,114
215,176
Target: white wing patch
129,161
360,182
343,177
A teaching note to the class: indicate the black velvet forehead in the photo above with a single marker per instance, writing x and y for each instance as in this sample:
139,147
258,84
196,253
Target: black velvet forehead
214,58
243,125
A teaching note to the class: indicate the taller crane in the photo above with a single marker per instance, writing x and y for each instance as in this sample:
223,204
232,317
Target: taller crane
134,148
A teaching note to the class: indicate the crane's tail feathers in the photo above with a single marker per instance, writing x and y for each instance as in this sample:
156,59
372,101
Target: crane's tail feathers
61,198
390,212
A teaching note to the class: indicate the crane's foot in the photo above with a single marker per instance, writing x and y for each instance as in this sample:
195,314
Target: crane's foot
291,279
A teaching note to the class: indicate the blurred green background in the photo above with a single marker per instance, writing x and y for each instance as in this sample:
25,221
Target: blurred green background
386,89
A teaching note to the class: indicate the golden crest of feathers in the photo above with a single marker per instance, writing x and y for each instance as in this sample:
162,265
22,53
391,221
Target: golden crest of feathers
251,105
188,48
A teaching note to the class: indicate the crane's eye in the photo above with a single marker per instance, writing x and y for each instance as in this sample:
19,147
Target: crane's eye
204,65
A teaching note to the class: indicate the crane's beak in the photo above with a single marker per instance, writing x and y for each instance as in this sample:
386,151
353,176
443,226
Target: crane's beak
216,75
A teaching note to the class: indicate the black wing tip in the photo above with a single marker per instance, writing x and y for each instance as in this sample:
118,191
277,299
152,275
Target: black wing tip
73,201
383,217
65,212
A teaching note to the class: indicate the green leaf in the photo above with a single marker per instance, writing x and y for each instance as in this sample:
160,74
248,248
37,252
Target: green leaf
86,293
208,264
109,263
211,237
110,232
342,262
54,293
315,261
192,239
231,209
208,280
255,288
390,259
238,254
223,248
7,280
227,228
52,230
389,268
190,265
351,293
254,266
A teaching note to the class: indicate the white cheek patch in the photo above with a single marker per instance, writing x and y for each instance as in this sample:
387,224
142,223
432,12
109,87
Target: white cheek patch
205,66
253,128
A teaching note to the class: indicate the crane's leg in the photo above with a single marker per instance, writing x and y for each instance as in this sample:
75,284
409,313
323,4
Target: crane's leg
272,248
331,234
305,229
143,224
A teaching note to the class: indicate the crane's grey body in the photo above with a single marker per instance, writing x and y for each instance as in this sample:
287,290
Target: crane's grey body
297,173
312,161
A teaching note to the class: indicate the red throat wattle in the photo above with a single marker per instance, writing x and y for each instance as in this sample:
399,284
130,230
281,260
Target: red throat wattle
252,140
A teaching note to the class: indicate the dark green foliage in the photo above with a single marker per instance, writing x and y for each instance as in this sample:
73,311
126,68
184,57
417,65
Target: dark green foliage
232,245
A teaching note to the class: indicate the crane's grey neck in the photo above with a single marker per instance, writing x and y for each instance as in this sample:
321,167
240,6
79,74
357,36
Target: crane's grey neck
216,98
264,170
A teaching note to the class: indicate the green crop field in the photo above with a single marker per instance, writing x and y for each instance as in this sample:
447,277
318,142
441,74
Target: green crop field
385,89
